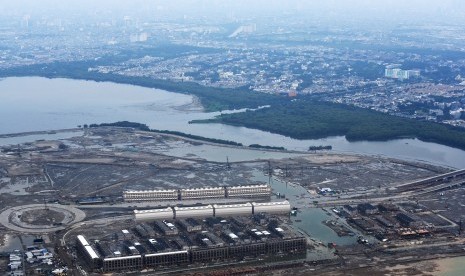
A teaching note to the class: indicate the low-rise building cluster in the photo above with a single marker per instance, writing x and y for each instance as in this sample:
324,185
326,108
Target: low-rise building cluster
15,265
388,221
162,243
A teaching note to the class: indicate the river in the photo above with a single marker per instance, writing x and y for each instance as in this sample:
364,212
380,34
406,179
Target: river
34,103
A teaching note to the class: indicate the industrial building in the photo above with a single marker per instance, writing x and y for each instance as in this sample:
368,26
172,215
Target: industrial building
408,220
122,263
197,193
87,252
233,210
248,191
217,210
153,245
190,225
166,227
166,258
367,209
164,213
389,221
275,207
196,211
150,195
262,190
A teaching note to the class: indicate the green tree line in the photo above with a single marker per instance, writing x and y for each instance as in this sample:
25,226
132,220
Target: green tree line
307,119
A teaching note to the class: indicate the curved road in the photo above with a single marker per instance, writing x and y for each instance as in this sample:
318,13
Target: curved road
5,218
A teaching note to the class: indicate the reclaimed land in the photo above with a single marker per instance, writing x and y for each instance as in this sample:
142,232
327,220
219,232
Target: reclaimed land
301,118
144,127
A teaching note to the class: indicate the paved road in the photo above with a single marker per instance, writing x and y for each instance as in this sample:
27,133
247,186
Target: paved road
5,218
94,222
448,175
372,197
165,203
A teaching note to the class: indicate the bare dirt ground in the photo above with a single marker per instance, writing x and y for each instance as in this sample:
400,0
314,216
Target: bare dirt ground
103,162
106,161
42,217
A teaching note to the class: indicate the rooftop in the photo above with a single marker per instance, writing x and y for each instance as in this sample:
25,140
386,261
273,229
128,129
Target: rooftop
193,208
150,191
162,210
285,202
233,205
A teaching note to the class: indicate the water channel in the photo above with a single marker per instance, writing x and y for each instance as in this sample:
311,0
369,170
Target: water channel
40,104
34,103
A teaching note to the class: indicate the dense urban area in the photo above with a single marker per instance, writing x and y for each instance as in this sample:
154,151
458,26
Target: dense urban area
388,68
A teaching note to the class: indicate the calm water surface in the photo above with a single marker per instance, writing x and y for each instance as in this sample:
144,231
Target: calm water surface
452,267
308,219
33,103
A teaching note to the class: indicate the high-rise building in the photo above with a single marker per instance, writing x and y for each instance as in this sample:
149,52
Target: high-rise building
397,73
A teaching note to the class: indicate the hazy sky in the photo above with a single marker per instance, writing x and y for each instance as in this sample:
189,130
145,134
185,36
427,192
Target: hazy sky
445,10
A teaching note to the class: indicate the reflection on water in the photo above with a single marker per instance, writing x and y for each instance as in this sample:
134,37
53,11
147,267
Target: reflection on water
221,154
14,140
451,267
13,242
18,188
34,103
308,219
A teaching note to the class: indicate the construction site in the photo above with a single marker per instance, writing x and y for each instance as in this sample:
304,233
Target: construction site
162,244
120,200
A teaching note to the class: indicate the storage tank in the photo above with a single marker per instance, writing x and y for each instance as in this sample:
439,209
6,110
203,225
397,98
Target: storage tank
276,207
233,210
154,214
196,211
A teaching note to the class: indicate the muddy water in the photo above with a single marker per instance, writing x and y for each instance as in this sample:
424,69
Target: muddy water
32,103
308,219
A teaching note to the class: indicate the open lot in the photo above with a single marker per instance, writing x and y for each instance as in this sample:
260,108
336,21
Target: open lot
100,163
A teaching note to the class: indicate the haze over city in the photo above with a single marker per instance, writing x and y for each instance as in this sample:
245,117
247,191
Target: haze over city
208,137
447,11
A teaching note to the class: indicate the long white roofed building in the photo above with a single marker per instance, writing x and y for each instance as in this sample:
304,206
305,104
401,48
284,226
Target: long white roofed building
191,212
196,193
87,252
248,191
150,195
233,210
154,214
275,207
